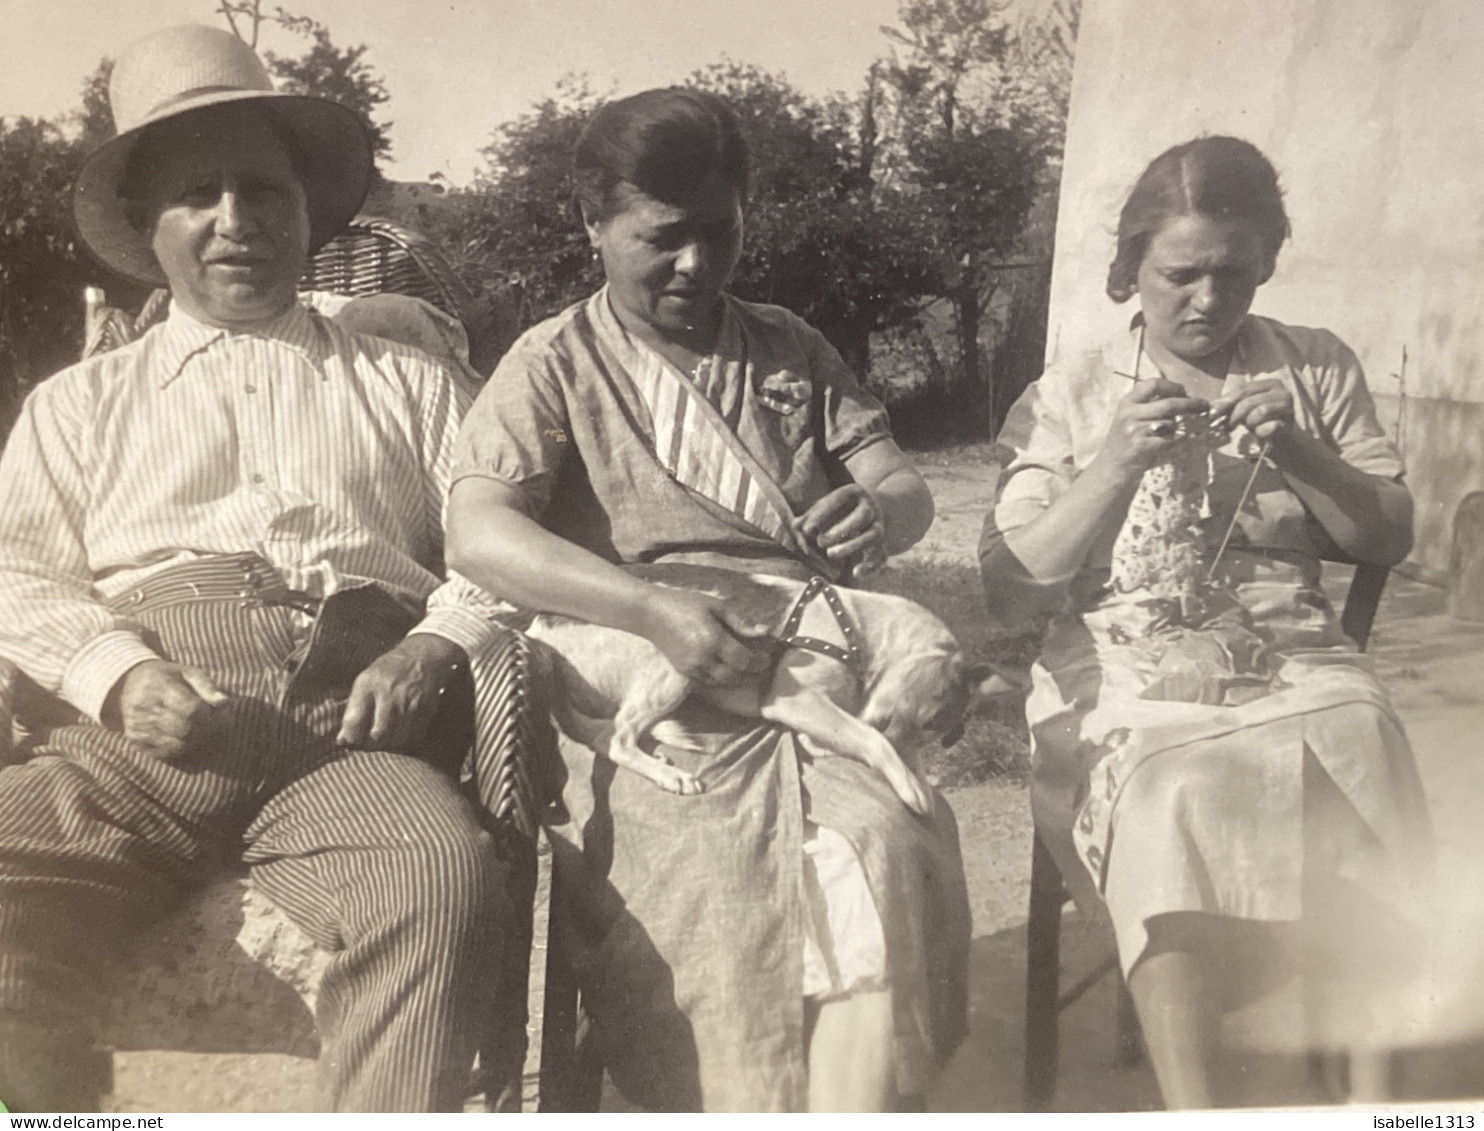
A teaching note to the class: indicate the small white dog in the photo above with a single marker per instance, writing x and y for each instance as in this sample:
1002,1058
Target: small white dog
866,675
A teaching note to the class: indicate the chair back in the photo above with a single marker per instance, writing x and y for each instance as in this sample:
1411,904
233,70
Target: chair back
372,256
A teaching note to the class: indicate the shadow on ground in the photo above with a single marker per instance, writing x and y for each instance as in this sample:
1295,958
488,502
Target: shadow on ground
985,1074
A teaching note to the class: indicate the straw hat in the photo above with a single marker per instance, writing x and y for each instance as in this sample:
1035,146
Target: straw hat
188,70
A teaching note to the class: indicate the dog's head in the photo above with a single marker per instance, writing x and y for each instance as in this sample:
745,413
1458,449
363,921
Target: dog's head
926,697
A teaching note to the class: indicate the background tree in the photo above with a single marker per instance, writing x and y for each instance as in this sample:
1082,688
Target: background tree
43,267
925,204
516,226
94,119
816,242
42,270
340,74
972,142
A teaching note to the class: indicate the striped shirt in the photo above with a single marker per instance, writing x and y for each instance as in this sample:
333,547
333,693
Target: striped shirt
324,451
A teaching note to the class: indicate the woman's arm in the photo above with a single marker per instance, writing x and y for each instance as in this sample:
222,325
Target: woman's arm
1026,571
494,542
906,503
1369,517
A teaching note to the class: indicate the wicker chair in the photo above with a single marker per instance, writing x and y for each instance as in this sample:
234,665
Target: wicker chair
230,973
372,256
1044,998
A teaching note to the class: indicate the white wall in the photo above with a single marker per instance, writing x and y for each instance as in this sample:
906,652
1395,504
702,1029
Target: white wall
1373,112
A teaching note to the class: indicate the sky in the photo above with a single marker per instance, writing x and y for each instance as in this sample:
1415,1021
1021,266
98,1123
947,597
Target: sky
456,69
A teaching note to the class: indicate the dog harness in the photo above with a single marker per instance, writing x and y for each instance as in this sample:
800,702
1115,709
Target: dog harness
788,636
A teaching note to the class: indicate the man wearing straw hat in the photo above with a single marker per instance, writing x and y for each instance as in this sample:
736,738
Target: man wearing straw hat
215,548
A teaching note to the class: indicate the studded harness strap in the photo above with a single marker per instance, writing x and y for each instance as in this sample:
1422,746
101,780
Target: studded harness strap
788,635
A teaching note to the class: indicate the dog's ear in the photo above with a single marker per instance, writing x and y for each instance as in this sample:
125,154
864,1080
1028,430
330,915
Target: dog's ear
988,683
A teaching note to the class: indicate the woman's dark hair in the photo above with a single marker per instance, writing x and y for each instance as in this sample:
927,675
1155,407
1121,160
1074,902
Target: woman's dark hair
665,142
1219,177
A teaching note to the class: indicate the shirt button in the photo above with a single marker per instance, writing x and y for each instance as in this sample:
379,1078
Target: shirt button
252,388
257,477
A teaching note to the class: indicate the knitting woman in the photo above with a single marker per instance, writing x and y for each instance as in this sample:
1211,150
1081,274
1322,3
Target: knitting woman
1213,759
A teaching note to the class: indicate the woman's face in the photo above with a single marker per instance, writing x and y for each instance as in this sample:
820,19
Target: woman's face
668,263
1197,281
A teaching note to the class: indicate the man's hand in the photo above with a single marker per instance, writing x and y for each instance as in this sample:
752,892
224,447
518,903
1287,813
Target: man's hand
393,702
847,528
160,706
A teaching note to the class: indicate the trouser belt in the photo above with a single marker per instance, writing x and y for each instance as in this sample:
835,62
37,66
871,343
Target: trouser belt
245,578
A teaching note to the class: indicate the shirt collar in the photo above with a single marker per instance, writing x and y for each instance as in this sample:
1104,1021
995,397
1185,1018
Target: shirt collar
183,337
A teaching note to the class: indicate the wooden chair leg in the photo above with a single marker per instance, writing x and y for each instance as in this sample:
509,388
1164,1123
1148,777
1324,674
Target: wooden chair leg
1042,979
503,1054
587,1066
1130,1038
571,1068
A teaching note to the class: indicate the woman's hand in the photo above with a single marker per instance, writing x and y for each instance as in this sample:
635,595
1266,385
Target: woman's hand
704,640
1145,424
1264,408
847,529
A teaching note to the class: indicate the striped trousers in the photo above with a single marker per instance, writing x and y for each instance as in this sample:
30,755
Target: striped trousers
377,856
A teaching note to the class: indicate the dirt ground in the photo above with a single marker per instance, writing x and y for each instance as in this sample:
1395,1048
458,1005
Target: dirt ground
1433,666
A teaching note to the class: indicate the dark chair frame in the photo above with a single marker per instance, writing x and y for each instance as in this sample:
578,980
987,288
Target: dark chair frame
1044,997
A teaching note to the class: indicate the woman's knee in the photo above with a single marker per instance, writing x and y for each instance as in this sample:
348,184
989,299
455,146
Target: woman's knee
1157,787
1172,788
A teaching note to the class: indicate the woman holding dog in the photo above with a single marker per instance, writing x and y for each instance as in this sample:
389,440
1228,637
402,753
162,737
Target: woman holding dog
793,937
1212,756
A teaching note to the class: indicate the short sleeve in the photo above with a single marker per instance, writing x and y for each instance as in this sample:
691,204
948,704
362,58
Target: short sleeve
853,418
1348,412
517,430
1034,448
1035,454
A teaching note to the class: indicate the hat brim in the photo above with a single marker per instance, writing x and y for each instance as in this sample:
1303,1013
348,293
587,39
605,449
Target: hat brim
335,158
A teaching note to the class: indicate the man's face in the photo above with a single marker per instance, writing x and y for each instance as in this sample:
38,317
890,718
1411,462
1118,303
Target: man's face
231,228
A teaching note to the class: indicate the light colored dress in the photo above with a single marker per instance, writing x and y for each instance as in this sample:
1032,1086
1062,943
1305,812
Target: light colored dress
689,916
1211,758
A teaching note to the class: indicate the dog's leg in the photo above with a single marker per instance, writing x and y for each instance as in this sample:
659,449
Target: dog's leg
828,726
656,692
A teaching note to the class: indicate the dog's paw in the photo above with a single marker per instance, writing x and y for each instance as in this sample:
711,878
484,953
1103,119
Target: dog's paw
909,787
672,779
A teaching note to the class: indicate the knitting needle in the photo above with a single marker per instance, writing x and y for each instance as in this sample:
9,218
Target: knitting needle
1237,511
1133,373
